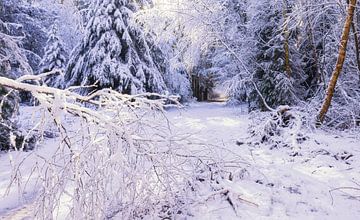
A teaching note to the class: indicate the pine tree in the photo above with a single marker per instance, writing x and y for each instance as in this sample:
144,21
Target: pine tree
272,75
114,52
54,58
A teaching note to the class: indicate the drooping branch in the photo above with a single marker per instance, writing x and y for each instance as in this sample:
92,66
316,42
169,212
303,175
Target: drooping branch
20,86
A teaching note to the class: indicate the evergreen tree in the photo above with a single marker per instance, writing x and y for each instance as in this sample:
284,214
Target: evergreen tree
54,58
114,52
271,74
13,63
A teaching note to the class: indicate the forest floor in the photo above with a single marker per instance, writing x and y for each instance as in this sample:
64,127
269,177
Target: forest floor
322,182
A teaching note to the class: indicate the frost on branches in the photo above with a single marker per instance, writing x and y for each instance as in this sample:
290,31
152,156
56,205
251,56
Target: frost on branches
120,159
176,76
114,52
280,128
54,58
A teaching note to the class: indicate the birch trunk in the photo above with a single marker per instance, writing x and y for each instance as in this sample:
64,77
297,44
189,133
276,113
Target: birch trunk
340,61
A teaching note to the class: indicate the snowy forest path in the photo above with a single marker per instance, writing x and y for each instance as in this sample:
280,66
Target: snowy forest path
212,122
281,186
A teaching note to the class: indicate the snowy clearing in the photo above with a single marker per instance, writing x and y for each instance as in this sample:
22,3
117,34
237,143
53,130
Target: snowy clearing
322,183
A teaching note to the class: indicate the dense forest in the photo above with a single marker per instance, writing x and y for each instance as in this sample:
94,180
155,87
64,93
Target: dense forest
170,109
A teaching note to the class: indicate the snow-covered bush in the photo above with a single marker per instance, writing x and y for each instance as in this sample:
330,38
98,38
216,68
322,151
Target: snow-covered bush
280,129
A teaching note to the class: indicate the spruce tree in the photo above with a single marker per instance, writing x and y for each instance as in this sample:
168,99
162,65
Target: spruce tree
114,52
54,58
275,82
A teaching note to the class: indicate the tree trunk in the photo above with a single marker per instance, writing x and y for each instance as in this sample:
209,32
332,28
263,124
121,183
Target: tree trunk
356,41
339,63
317,74
286,37
354,24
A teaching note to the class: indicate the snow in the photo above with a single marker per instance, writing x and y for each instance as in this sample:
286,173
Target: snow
282,186
322,183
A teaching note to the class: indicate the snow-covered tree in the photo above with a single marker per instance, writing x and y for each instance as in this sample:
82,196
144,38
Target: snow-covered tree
31,23
178,82
275,65
114,52
317,45
176,76
54,58
328,22
340,61
13,63
184,30
231,51
82,4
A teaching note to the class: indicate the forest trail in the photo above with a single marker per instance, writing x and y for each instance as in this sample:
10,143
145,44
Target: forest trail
212,122
271,184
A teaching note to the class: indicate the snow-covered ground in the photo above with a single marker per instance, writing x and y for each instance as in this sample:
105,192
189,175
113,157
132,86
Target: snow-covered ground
322,183
316,185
